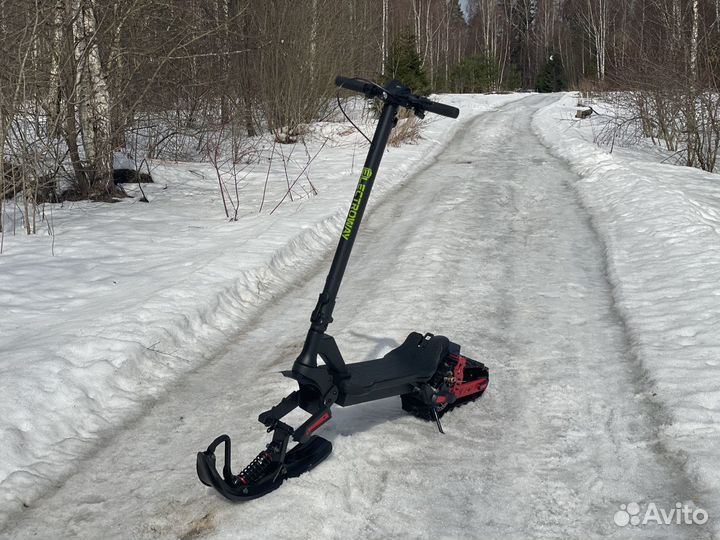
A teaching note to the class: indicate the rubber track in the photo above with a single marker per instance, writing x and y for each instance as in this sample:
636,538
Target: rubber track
423,412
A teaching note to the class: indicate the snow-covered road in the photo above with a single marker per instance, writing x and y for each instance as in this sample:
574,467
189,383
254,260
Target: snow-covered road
489,246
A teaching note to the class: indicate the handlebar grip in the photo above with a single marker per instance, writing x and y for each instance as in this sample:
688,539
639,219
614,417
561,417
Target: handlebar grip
354,85
439,108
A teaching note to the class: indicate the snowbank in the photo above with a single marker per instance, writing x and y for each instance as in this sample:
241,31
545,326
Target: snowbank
660,225
103,316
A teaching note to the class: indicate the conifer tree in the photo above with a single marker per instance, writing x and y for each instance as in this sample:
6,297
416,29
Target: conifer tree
405,65
552,76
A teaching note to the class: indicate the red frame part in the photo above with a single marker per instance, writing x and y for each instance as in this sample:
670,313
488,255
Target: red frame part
461,389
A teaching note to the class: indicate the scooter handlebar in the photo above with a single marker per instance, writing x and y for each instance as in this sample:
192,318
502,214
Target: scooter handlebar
438,108
403,98
356,85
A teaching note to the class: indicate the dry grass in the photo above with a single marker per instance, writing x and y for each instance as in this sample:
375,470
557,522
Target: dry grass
407,129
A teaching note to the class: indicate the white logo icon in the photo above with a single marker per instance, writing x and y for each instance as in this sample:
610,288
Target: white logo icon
681,514
627,514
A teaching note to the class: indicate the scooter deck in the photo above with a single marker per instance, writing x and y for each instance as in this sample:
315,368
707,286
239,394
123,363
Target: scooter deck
413,362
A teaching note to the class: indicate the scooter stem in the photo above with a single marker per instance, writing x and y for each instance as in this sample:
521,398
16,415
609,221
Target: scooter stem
322,314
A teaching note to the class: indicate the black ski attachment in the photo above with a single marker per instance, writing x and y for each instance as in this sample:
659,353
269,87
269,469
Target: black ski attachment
266,472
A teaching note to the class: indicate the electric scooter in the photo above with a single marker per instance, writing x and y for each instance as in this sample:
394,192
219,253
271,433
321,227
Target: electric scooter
426,371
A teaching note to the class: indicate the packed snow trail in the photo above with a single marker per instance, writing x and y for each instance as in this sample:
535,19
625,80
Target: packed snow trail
489,247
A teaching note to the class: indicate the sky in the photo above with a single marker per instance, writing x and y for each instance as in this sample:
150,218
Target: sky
464,6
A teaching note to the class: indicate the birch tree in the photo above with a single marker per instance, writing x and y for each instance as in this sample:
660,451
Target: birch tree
595,18
93,97
384,46
694,40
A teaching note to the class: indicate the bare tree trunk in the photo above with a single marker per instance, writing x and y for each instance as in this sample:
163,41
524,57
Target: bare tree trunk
694,41
94,98
446,51
53,105
677,20
385,35
70,95
417,15
596,24
313,39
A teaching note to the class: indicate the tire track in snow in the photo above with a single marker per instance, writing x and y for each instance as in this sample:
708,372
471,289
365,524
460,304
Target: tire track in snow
489,247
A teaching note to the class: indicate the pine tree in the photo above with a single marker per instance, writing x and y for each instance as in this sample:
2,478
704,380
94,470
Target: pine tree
405,65
476,74
552,76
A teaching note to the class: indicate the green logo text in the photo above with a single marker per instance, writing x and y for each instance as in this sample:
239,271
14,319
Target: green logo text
357,200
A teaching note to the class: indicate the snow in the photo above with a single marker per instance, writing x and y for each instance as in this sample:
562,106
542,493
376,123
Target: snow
660,228
123,299
587,282
123,160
